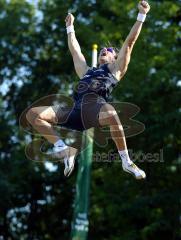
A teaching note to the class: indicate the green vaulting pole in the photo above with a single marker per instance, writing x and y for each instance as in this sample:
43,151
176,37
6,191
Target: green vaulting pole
80,223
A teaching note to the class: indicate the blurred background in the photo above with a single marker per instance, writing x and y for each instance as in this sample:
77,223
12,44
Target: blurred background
36,201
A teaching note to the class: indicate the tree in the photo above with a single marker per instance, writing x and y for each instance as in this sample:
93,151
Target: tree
37,203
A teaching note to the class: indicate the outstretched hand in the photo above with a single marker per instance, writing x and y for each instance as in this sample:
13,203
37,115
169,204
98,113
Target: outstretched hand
143,7
69,19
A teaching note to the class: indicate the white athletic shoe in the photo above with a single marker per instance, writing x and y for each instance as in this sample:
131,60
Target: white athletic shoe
67,154
133,169
69,165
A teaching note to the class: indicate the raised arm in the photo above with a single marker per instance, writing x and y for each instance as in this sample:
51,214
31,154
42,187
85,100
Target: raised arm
74,47
121,64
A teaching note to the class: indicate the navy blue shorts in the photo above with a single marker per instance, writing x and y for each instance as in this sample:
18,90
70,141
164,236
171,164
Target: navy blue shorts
82,115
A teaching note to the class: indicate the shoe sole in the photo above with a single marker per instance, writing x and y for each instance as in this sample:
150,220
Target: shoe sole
71,170
74,153
137,177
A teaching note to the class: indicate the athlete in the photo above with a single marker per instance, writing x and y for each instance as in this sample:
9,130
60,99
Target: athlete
91,108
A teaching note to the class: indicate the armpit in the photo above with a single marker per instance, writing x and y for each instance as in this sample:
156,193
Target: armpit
115,70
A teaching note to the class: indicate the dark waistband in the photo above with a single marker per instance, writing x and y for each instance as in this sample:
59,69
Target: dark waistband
89,98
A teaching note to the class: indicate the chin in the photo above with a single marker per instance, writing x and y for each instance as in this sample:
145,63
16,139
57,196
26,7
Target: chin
103,61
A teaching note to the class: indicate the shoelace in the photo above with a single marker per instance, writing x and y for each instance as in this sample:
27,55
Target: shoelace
66,162
133,166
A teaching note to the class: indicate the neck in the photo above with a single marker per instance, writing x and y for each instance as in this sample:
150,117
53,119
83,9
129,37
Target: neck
102,63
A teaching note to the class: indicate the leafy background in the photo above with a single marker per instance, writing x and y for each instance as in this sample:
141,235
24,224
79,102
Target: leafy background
36,202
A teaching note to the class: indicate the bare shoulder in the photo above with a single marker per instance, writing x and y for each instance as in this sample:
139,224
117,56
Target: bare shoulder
86,69
81,71
115,70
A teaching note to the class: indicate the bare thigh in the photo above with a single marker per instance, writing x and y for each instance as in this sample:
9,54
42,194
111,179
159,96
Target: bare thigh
46,113
108,115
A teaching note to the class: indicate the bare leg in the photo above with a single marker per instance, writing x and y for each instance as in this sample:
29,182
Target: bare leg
42,118
109,117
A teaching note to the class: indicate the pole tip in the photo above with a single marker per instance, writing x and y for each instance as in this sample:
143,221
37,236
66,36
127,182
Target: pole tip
94,46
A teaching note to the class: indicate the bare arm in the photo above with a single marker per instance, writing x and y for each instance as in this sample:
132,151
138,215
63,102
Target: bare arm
124,55
74,47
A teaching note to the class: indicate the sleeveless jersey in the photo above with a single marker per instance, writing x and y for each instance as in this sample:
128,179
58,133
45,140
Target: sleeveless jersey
99,81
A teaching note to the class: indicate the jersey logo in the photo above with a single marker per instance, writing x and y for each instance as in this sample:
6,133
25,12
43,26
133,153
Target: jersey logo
86,76
95,84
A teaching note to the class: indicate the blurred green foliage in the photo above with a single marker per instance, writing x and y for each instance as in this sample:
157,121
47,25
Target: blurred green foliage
36,203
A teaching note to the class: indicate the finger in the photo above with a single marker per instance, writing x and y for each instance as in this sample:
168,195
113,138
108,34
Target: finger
69,15
144,3
66,19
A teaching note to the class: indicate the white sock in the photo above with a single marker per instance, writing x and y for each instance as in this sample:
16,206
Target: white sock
125,156
60,143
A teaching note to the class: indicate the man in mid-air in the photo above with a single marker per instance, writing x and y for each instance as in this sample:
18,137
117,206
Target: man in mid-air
91,108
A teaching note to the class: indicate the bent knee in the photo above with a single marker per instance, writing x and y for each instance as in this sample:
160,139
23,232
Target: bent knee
113,118
108,115
32,115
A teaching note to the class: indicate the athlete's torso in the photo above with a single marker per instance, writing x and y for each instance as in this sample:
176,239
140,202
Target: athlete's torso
99,81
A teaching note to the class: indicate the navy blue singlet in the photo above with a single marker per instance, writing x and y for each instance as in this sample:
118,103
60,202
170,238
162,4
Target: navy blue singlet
90,95
99,81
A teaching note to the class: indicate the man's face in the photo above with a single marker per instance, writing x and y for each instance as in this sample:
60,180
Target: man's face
106,55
